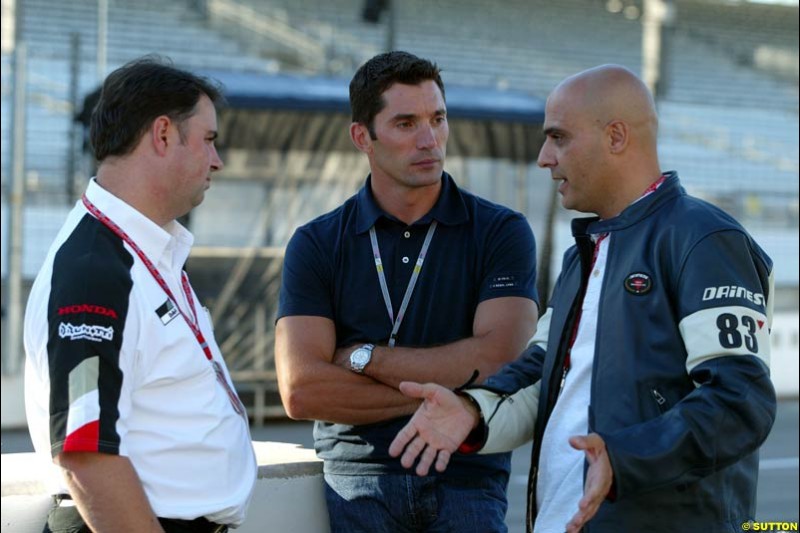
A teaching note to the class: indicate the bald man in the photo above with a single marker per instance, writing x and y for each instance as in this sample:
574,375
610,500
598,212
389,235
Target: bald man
646,388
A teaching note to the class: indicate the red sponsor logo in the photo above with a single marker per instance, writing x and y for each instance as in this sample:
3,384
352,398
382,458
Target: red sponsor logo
87,308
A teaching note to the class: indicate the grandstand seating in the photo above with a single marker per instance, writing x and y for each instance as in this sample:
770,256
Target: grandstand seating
718,151
723,156
729,110
134,29
541,43
544,41
770,30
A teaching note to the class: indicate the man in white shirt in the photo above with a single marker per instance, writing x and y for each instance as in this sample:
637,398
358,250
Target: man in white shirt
126,388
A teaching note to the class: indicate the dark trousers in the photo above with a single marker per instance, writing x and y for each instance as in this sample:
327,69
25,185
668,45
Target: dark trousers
67,519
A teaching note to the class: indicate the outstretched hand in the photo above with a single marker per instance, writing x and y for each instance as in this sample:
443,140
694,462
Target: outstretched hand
436,430
599,478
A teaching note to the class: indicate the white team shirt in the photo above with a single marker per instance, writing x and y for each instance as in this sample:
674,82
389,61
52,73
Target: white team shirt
124,373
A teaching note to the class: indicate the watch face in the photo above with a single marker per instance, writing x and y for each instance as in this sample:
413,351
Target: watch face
360,357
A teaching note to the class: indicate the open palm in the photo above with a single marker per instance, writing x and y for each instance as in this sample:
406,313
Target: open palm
436,430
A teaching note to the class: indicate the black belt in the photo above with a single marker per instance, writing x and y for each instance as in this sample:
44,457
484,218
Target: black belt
172,525
198,525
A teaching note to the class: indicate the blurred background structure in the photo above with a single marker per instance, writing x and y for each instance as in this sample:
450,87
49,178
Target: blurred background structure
725,74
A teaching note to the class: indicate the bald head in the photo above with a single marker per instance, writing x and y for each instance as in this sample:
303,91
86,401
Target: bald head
601,129
612,92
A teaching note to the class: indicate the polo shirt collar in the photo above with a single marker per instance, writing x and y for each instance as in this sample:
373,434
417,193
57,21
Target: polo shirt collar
449,209
168,245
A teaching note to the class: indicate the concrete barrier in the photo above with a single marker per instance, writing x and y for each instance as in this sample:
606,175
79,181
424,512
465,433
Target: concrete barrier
289,493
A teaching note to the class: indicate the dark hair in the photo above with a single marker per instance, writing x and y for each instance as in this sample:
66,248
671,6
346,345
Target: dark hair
134,95
379,74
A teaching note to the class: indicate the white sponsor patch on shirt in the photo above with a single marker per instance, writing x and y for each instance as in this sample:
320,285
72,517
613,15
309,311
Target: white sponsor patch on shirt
85,331
167,311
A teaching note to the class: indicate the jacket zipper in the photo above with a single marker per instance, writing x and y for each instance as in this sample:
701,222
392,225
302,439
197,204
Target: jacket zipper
660,400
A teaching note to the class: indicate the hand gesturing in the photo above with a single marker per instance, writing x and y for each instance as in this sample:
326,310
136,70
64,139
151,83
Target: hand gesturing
599,478
436,430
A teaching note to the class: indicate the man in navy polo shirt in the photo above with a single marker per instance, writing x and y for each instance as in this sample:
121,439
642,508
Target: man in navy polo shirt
410,279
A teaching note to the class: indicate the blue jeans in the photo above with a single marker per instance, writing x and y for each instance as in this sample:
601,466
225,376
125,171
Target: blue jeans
408,503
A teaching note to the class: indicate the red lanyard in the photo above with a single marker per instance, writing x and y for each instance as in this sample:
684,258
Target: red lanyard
110,224
653,186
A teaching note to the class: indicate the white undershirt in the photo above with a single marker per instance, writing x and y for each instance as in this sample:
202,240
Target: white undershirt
559,486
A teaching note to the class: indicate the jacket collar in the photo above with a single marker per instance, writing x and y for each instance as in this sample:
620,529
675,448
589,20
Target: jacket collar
450,208
634,212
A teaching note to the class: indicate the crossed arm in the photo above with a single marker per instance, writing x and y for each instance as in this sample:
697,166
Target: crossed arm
315,382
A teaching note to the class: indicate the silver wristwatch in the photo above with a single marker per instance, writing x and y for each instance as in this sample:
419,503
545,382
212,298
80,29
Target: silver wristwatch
360,358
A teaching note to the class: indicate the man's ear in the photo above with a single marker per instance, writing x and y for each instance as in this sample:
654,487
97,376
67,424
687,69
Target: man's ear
160,134
618,134
359,134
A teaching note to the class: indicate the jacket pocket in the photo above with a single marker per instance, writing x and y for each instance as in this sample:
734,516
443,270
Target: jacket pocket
659,396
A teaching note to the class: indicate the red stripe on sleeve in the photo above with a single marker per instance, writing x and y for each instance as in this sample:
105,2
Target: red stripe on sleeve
83,439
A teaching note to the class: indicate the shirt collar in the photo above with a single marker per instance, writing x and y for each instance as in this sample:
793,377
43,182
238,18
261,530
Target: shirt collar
168,245
449,209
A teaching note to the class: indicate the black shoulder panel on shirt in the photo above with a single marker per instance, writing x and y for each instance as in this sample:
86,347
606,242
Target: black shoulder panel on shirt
87,309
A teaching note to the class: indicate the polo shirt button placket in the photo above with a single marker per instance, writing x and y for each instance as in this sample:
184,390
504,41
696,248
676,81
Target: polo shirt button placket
405,250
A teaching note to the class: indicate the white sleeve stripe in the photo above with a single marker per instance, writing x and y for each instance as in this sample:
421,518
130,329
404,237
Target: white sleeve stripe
542,330
723,331
771,298
513,422
84,378
83,410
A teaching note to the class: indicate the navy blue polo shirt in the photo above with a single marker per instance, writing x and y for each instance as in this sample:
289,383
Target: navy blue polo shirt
480,251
